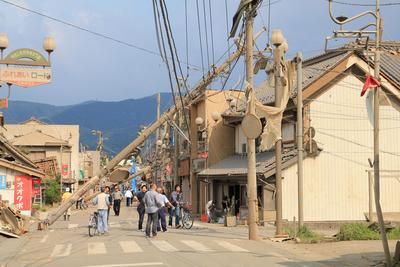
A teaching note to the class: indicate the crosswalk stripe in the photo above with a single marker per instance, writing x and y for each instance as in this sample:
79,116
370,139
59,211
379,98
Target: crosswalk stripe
230,246
196,245
96,248
44,239
164,246
115,225
130,246
72,225
61,250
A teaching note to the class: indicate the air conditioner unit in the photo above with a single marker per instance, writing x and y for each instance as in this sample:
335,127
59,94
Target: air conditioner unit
199,165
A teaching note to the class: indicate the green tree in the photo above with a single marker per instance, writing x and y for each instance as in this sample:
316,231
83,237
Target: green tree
52,190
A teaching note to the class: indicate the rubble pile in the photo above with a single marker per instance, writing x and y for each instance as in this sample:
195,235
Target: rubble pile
12,222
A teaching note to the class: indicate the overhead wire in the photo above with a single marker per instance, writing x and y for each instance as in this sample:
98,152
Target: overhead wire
206,32
102,35
364,5
200,37
212,31
227,28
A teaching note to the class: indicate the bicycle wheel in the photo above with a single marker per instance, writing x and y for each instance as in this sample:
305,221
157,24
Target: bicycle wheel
92,227
187,220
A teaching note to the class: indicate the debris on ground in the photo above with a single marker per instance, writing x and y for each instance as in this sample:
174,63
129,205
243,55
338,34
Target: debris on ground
12,222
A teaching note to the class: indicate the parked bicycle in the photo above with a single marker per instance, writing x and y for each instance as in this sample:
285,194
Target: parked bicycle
92,226
187,216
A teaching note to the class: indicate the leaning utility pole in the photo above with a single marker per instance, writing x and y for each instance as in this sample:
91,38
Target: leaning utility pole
167,116
251,142
300,132
278,53
377,69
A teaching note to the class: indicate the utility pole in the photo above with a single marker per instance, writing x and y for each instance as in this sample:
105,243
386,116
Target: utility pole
251,142
300,131
176,151
280,45
377,69
158,136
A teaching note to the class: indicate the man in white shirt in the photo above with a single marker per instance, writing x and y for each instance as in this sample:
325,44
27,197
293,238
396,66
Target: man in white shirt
103,202
161,212
128,195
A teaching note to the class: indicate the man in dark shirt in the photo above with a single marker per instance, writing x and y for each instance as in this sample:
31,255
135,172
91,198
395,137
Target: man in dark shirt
141,208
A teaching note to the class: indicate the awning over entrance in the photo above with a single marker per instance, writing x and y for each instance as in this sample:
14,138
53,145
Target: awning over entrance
236,165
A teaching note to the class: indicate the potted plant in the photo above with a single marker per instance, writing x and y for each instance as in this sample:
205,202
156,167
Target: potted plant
230,218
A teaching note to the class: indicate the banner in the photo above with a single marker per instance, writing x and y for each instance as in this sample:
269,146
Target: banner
22,192
64,170
36,183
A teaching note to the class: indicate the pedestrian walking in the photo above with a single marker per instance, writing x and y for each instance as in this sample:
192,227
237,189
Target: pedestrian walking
152,203
110,201
176,200
128,195
67,194
162,224
117,196
103,202
141,206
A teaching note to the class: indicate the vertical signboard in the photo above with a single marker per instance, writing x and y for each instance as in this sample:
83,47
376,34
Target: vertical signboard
64,170
36,183
3,182
22,192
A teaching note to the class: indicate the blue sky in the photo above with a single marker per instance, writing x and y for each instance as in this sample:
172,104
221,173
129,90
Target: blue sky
87,67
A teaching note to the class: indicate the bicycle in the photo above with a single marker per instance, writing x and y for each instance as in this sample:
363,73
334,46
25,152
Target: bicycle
187,216
92,226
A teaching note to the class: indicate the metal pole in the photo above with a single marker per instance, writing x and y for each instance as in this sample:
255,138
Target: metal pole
176,140
251,143
299,61
61,169
371,196
278,144
377,65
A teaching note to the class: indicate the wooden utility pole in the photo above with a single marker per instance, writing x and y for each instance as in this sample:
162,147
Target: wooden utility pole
165,117
278,145
251,142
300,132
377,69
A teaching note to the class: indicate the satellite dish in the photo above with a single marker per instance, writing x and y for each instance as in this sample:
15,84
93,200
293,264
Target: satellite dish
251,126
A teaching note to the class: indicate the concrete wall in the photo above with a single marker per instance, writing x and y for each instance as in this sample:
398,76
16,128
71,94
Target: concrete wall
336,182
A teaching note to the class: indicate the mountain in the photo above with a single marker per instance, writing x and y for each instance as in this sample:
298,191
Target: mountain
119,120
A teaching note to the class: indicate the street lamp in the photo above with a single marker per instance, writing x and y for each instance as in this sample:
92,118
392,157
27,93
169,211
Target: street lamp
199,121
49,45
3,43
277,37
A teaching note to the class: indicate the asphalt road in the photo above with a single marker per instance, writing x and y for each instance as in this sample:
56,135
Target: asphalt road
68,244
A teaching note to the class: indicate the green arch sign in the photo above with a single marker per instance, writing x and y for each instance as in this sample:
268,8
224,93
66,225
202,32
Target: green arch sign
26,53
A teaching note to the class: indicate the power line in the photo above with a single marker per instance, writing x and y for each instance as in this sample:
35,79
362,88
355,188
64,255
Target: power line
102,35
200,38
365,5
206,32
212,31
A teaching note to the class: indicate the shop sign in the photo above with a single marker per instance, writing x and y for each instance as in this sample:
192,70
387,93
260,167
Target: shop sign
22,192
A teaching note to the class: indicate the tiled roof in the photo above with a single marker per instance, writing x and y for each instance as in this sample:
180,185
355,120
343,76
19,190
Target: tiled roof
237,164
315,67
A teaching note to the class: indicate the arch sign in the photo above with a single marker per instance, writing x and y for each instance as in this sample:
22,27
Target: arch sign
24,71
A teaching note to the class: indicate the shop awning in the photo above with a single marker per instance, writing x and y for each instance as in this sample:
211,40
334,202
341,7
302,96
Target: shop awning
236,165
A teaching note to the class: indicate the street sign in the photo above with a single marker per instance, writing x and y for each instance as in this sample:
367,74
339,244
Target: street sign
25,77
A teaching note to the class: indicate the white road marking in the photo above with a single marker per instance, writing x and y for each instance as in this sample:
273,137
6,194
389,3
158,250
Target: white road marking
230,246
72,225
164,246
96,248
128,264
196,245
115,225
61,250
130,246
52,230
44,239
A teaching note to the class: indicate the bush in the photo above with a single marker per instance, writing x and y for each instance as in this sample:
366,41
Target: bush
357,231
394,233
52,190
304,234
